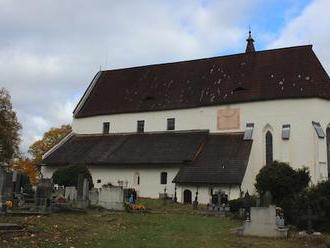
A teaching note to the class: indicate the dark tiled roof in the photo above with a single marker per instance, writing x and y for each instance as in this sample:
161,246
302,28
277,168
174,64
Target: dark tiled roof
223,160
293,72
145,148
203,157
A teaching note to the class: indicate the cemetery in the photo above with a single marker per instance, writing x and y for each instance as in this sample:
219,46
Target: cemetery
80,216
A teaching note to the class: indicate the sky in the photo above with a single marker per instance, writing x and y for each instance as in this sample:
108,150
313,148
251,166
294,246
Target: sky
50,50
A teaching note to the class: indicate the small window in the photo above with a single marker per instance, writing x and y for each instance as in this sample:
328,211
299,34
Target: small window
318,129
163,178
248,131
170,124
140,126
137,178
106,127
98,181
286,131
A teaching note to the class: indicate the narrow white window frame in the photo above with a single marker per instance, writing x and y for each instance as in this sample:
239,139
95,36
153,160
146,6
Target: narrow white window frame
248,133
318,129
286,128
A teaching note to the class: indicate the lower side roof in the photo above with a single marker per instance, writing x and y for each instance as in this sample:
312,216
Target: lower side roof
201,156
223,159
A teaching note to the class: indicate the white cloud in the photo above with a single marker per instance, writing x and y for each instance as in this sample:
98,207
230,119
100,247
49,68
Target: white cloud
310,27
50,50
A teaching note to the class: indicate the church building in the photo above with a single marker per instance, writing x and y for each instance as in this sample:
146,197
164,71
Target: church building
196,127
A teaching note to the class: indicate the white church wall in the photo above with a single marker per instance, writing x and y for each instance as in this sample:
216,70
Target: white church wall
303,148
149,186
204,192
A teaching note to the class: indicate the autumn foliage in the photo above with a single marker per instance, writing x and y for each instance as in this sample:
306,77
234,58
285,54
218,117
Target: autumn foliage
29,168
49,139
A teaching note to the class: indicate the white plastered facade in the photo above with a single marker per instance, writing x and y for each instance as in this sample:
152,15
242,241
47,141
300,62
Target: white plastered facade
304,147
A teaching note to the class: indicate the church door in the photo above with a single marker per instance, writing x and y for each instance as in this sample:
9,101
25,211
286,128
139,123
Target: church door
187,196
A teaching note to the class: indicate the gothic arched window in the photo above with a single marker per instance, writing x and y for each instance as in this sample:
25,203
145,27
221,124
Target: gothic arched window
328,149
269,148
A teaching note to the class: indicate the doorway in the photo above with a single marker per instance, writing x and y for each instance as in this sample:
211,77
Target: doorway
187,196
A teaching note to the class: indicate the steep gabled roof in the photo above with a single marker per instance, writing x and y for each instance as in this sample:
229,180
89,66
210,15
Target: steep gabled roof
223,159
293,72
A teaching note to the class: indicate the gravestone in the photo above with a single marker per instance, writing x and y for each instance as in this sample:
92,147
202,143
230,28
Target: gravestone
267,199
247,205
85,190
264,222
112,197
82,192
219,202
17,178
43,195
80,187
94,196
5,186
70,193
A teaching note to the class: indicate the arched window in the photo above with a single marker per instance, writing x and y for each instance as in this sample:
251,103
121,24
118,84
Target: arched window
269,148
328,149
163,178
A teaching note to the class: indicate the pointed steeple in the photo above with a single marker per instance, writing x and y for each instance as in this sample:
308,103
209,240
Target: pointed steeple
250,46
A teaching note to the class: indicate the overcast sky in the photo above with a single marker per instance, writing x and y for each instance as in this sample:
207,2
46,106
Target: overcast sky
51,49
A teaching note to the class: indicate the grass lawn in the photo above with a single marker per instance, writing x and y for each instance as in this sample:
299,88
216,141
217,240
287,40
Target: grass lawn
172,226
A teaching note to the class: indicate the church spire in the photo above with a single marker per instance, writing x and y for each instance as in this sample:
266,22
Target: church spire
249,46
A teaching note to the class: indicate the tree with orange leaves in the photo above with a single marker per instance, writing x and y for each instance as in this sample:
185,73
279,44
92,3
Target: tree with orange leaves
49,139
29,168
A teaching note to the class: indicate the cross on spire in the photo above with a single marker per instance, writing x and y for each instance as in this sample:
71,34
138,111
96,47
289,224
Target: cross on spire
250,46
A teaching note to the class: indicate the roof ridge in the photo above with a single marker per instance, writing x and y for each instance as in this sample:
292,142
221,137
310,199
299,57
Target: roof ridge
144,133
207,58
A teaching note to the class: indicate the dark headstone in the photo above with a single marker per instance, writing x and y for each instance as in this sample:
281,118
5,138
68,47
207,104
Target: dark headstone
247,205
5,186
80,187
267,199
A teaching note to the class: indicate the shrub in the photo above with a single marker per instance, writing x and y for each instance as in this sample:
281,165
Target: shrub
286,186
317,199
236,204
68,176
282,181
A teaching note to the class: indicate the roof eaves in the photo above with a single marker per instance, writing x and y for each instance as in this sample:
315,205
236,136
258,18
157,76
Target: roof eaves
86,94
54,148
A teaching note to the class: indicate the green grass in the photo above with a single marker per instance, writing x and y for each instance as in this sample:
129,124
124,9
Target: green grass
164,225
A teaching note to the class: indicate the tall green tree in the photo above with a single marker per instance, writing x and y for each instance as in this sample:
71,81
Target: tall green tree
9,128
